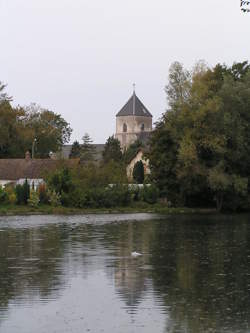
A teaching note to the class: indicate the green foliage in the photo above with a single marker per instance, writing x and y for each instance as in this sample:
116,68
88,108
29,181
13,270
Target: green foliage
91,175
178,89
149,194
21,125
50,129
11,194
75,150
22,193
138,172
100,197
201,146
33,201
93,186
131,151
54,198
60,181
87,150
3,95
112,150
3,195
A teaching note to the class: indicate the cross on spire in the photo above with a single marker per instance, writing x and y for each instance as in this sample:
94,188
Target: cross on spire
133,98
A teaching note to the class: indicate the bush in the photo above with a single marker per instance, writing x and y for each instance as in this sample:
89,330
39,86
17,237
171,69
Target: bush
78,198
19,194
150,194
12,198
33,201
11,195
117,195
43,195
122,196
61,181
138,172
22,193
3,195
66,199
54,198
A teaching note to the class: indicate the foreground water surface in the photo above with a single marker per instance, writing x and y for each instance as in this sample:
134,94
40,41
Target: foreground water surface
76,274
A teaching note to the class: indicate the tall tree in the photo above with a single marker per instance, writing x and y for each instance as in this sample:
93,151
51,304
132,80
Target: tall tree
202,148
75,150
3,95
21,127
178,89
50,129
138,172
88,149
112,150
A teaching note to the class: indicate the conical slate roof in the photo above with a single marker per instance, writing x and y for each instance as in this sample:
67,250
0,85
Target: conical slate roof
134,107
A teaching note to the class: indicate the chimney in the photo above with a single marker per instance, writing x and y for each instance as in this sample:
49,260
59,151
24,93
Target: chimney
27,156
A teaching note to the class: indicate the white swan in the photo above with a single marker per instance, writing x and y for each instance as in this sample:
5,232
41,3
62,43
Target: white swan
136,254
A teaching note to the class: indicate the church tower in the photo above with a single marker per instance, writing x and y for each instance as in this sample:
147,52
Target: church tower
133,122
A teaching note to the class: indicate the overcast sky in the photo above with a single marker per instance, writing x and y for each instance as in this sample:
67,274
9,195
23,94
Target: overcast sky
80,58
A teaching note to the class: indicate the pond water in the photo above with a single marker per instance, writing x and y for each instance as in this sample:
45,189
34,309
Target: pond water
76,274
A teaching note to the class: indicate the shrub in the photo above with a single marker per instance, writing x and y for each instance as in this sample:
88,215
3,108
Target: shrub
33,201
12,198
22,193
117,195
3,195
19,194
54,198
11,195
138,172
78,198
66,199
61,181
43,195
150,194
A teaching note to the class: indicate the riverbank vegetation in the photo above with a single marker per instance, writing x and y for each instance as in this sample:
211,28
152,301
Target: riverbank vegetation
200,150
87,186
134,208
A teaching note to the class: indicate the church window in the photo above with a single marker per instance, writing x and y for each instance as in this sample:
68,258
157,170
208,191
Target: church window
142,127
125,128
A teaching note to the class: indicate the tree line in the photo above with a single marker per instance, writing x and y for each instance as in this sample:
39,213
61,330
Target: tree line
112,152
200,149
30,128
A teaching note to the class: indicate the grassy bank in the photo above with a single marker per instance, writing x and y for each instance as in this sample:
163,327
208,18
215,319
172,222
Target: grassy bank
10,210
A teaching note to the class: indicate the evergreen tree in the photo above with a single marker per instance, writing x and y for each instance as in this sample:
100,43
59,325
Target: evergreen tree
22,193
112,150
75,150
3,96
88,149
138,172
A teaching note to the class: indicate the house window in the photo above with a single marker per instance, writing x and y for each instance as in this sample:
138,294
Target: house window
142,127
125,128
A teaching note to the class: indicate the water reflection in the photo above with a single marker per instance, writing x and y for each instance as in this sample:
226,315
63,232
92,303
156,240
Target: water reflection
76,274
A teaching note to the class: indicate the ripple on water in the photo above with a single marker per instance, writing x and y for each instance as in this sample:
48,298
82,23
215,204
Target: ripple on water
76,274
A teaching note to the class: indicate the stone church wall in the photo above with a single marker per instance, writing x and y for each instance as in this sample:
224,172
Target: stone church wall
134,125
